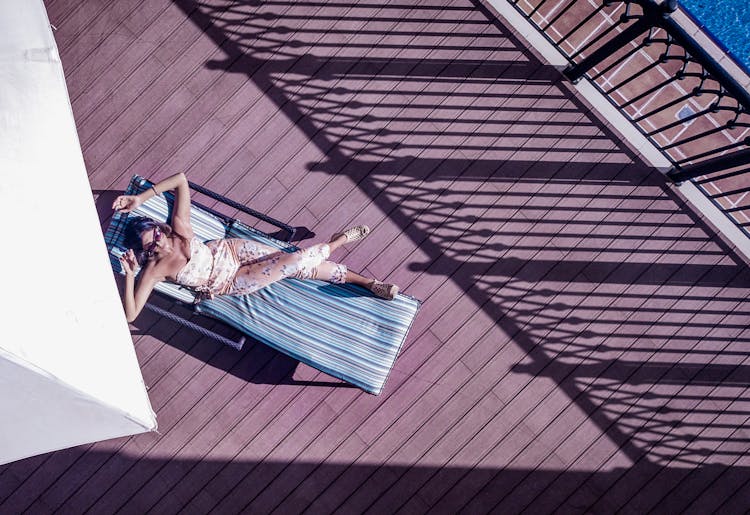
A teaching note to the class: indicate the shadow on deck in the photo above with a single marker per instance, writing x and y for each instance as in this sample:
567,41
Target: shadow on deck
238,486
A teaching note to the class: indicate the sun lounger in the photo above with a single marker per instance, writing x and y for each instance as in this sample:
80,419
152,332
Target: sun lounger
342,330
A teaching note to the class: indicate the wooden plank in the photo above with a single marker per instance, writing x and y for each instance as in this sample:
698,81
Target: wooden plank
625,481
584,444
13,475
704,478
75,21
196,405
93,78
270,113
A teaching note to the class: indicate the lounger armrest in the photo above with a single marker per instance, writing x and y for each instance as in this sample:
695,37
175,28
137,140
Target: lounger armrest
290,231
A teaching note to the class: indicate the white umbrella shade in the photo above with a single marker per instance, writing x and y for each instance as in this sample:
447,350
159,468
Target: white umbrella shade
68,371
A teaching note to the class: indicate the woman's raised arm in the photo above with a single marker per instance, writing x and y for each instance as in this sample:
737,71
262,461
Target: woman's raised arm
181,211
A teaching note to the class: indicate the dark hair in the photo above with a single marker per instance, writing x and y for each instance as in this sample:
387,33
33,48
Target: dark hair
134,230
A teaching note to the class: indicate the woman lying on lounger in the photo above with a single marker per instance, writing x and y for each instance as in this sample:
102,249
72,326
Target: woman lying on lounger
219,267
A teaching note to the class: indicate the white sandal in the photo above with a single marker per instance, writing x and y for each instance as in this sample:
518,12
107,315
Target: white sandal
383,290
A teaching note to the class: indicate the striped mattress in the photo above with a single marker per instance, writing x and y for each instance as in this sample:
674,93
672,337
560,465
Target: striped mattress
342,330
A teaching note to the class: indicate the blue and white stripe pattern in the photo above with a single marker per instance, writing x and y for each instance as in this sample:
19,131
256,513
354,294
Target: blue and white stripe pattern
342,330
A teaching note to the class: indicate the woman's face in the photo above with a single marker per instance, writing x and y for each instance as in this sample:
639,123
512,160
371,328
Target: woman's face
153,242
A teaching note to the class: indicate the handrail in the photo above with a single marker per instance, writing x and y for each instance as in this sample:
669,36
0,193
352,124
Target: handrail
679,71
243,208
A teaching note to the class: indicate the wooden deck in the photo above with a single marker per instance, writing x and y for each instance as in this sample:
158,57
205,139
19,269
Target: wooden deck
583,345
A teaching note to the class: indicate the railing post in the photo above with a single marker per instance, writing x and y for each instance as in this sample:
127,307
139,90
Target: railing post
716,164
652,15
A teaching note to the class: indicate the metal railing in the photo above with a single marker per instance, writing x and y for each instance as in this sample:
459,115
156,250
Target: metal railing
665,83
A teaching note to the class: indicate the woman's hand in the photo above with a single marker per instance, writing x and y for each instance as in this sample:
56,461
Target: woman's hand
128,262
127,203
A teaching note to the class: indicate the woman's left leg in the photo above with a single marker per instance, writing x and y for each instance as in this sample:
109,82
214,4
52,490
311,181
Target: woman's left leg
262,265
273,267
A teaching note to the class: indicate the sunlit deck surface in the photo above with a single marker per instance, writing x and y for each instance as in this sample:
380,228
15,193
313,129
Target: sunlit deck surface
583,343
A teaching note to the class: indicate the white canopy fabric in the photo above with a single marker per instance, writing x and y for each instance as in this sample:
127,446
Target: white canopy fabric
68,370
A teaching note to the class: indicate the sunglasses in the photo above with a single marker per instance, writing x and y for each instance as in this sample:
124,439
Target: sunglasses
148,251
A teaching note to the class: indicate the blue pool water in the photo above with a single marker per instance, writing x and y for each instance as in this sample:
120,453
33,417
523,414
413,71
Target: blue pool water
728,21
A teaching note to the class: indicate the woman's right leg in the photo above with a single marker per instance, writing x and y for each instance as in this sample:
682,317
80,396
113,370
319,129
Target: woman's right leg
248,251
275,266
